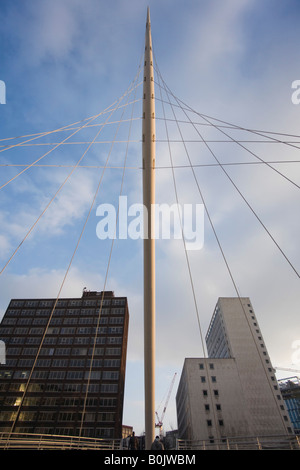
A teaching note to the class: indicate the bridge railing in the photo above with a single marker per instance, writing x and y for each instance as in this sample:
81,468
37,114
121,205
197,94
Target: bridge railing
24,441
243,443
55,442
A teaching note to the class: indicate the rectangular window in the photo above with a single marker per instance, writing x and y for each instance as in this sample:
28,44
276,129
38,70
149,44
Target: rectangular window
93,388
79,351
50,340
90,417
110,375
75,303
31,303
62,351
33,340
109,388
77,363
57,374
82,340
118,302
65,340
97,351
75,374
113,351
46,303
70,321
114,340
39,321
52,331
112,363
65,416
67,331
40,374
115,320
21,374
36,331
83,330
93,375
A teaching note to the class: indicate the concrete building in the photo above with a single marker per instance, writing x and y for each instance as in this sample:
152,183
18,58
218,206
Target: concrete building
290,389
233,392
65,365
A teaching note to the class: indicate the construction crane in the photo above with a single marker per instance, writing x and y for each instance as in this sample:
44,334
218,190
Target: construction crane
161,419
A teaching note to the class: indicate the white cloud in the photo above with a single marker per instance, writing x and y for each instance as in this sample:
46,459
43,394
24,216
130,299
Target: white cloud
4,246
219,33
72,203
52,30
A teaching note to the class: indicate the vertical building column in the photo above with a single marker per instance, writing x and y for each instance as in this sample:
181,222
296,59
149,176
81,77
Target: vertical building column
149,237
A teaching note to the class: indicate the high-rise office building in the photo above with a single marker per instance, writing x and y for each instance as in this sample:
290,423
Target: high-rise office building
233,392
65,365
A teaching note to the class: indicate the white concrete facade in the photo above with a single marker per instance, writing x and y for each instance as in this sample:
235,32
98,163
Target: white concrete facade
233,392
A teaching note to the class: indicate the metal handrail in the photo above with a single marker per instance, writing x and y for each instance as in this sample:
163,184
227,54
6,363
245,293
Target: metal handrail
282,442
49,441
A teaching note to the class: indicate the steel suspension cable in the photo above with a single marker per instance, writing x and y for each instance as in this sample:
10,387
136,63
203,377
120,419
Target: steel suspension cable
59,293
55,195
42,134
231,276
253,131
105,280
238,190
259,158
58,145
189,266
39,135
203,201
182,234
225,124
68,127
236,141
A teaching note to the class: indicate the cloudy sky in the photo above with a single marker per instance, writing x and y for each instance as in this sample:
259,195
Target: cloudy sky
231,61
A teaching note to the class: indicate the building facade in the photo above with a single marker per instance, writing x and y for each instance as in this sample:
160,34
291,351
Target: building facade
233,392
290,389
65,365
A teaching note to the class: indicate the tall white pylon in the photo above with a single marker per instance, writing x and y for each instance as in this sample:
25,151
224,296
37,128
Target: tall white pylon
149,241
